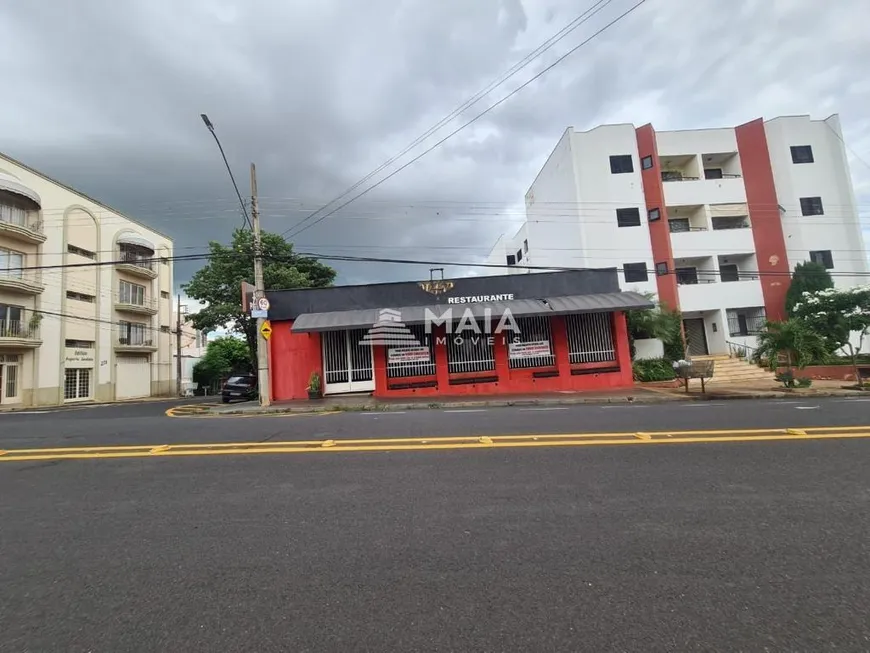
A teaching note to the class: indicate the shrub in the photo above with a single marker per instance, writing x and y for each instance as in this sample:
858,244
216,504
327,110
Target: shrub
804,382
653,369
789,380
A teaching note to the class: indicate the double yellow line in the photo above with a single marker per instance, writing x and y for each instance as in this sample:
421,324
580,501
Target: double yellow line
434,443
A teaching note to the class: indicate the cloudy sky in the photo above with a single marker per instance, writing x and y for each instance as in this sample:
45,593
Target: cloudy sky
106,97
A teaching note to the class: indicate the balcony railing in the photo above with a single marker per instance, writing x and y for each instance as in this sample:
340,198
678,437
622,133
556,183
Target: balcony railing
146,304
134,341
676,175
140,261
19,330
715,277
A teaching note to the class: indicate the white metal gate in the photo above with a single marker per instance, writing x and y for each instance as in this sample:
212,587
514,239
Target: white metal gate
132,377
347,365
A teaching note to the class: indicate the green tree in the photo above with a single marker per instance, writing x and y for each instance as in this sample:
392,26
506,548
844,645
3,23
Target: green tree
808,277
223,356
792,339
659,322
837,314
217,285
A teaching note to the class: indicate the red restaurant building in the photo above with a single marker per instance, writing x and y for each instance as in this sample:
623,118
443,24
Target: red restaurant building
547,332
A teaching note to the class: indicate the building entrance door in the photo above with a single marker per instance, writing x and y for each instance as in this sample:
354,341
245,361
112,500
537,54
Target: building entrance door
696,336
347,365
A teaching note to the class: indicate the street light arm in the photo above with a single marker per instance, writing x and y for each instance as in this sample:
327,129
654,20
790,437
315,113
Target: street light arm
227,164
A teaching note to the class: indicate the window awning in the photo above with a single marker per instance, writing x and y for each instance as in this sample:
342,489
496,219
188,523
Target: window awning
14,185
364,318
130,238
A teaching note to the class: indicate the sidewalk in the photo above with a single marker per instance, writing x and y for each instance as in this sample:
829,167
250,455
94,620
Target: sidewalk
637,395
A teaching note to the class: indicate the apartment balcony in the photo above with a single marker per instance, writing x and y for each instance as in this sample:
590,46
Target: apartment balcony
18,334
691,190
689,242
21,283
137,264
20,225
133,345
709,293
132,305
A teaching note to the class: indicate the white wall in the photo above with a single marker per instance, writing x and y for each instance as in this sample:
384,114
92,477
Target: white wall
827,177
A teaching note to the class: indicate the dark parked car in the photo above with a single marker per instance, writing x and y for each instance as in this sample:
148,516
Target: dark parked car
242,388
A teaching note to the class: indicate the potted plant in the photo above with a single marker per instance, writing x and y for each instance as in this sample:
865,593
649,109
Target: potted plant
315,390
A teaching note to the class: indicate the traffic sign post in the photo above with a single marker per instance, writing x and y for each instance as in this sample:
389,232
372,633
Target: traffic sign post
266,330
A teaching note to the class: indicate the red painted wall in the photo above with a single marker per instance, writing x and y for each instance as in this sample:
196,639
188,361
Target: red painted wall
659,233
765,217
824,372
292,357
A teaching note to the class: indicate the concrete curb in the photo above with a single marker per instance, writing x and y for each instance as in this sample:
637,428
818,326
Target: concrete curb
662,397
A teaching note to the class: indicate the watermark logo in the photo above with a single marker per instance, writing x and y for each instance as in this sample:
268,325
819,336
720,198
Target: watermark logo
458,327
390,331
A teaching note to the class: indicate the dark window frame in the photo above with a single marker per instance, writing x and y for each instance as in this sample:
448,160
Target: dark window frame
635,272
812,206
628,217
731,274
511,259
621,164
714,173
520,255
646,162
802,154
654,215
823,257
661,269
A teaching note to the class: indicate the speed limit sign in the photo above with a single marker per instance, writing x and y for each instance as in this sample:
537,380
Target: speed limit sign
263,304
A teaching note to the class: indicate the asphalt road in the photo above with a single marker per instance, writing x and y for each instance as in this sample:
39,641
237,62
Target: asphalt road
690,547
137,424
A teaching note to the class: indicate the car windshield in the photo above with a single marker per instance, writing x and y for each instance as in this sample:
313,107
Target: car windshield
240,380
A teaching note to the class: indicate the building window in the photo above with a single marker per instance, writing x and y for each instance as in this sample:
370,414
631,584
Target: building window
13,213
77,384
661,269
131,293
653,215
729,272
12,321
519,255
10,371
80,297
628,217
11,263
80,251
823,257
511,259
802,154
526,246
712,173
132,333
621,164
812,206
590,338
164,294
534,331
687,276
746,321
635,272
79,344
646,162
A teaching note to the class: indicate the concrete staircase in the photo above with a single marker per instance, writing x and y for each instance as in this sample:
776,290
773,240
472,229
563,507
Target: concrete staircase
728,370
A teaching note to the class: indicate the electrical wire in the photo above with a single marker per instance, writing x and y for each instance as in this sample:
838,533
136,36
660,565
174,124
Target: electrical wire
296,232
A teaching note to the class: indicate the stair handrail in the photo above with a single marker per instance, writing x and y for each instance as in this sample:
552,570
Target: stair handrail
740,350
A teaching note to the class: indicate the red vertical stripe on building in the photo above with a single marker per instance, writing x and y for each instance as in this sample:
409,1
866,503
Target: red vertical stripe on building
765,217
659,233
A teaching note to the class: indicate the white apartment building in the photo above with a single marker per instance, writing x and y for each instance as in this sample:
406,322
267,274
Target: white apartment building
712,221
194,342
85,297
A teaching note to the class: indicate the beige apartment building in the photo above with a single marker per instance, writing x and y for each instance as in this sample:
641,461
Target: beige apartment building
85,297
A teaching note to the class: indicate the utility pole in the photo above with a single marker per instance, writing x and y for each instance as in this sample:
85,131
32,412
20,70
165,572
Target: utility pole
178,348
259,291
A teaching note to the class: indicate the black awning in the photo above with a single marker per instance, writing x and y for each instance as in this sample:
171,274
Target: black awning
364,318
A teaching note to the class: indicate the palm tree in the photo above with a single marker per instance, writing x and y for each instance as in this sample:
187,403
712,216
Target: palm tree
793,340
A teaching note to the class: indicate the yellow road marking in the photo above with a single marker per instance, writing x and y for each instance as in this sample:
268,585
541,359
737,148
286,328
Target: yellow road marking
436,443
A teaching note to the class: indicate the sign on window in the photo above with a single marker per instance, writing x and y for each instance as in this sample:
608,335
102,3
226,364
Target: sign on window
403,355
532,349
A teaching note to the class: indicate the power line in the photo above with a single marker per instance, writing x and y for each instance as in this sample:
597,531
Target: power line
470,122
541,49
